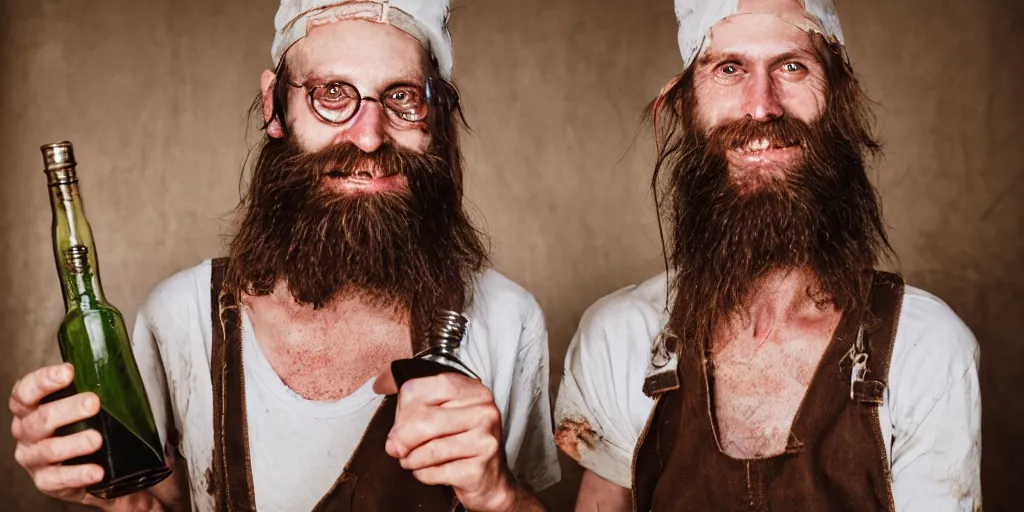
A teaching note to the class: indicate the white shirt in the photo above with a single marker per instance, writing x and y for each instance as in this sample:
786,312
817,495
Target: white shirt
299,447
930,418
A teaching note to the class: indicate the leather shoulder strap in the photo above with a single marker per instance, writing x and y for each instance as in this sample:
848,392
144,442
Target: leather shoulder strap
878,334
232,476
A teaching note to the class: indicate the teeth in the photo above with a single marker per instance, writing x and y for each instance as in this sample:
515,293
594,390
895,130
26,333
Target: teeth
757,145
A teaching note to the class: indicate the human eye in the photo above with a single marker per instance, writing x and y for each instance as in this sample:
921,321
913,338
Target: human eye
405,96
794,67
728,70
335,94
407,101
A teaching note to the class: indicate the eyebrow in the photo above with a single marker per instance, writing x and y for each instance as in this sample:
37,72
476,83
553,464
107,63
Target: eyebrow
314,78
711,58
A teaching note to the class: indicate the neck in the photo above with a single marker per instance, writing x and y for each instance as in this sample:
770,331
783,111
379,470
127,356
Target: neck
780,298
352,309
326,353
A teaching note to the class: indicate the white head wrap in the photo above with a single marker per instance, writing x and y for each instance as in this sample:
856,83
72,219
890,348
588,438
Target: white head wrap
425,20
697,17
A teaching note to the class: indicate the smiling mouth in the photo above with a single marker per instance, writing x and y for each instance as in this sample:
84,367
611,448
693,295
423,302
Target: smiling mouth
762,145
357,175
360,181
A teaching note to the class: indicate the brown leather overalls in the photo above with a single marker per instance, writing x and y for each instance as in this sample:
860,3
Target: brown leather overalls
371,481
835,458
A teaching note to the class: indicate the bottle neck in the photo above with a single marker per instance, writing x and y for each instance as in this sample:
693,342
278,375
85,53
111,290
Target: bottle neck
446,332
79,291
70,227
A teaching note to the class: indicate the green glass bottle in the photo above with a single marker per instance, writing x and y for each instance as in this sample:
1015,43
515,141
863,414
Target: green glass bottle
94,339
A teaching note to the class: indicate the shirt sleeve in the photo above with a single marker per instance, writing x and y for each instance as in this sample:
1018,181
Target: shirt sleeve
601,408
529,441
160,343
145,349
936,412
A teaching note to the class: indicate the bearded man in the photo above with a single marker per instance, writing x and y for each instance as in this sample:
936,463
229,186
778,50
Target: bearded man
261,366
772,367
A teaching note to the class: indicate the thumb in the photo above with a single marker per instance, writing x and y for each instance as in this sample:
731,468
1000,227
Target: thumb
385,382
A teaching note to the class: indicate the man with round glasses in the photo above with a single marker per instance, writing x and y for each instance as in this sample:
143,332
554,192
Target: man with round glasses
268,369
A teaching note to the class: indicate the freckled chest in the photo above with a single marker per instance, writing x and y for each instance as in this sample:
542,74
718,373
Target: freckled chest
758,385
329,354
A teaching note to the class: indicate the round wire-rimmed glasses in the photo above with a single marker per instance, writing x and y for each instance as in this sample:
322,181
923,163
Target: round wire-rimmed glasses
336,102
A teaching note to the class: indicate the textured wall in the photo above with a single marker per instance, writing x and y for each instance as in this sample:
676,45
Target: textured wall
154,96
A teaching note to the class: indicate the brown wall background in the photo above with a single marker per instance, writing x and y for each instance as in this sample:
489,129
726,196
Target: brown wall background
154,95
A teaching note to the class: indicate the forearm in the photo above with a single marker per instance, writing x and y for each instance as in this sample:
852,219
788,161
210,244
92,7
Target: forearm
525,501
596,493
510,496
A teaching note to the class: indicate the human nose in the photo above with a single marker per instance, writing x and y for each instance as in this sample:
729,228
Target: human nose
367,129
761,100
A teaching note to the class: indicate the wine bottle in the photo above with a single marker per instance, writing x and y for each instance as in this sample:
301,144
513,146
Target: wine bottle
93,338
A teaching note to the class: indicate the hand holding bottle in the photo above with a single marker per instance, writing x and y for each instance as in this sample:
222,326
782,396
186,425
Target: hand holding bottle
42,453
39,410
447,431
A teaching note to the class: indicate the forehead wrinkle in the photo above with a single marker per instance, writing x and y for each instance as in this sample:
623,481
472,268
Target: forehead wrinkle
358,55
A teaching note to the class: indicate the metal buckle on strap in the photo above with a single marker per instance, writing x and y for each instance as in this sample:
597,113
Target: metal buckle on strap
862,389
662,367
859,356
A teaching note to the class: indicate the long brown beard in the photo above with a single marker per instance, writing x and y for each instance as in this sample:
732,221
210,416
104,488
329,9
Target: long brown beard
413,251
823,215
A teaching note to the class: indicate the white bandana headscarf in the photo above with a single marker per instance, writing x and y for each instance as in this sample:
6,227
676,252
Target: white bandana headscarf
425,20
697,17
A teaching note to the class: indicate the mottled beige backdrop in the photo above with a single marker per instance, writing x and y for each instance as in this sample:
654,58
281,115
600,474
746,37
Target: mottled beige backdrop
154,96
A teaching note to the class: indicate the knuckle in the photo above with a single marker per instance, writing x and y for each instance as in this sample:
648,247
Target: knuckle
43,417
42,481
440,387
408,393
490,415
480,392
18,392
53,450
401,450
21,455
451,382
489,446
16,428
85,404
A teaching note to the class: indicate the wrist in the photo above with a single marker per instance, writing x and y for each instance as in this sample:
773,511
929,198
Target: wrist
503,498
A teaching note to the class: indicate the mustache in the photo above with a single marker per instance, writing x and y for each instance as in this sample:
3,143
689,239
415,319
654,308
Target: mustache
301,168
740,134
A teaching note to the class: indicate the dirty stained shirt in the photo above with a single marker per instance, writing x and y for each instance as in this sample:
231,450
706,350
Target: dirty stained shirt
299,447
930,418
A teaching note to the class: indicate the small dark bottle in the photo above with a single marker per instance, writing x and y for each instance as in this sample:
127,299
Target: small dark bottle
442,352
